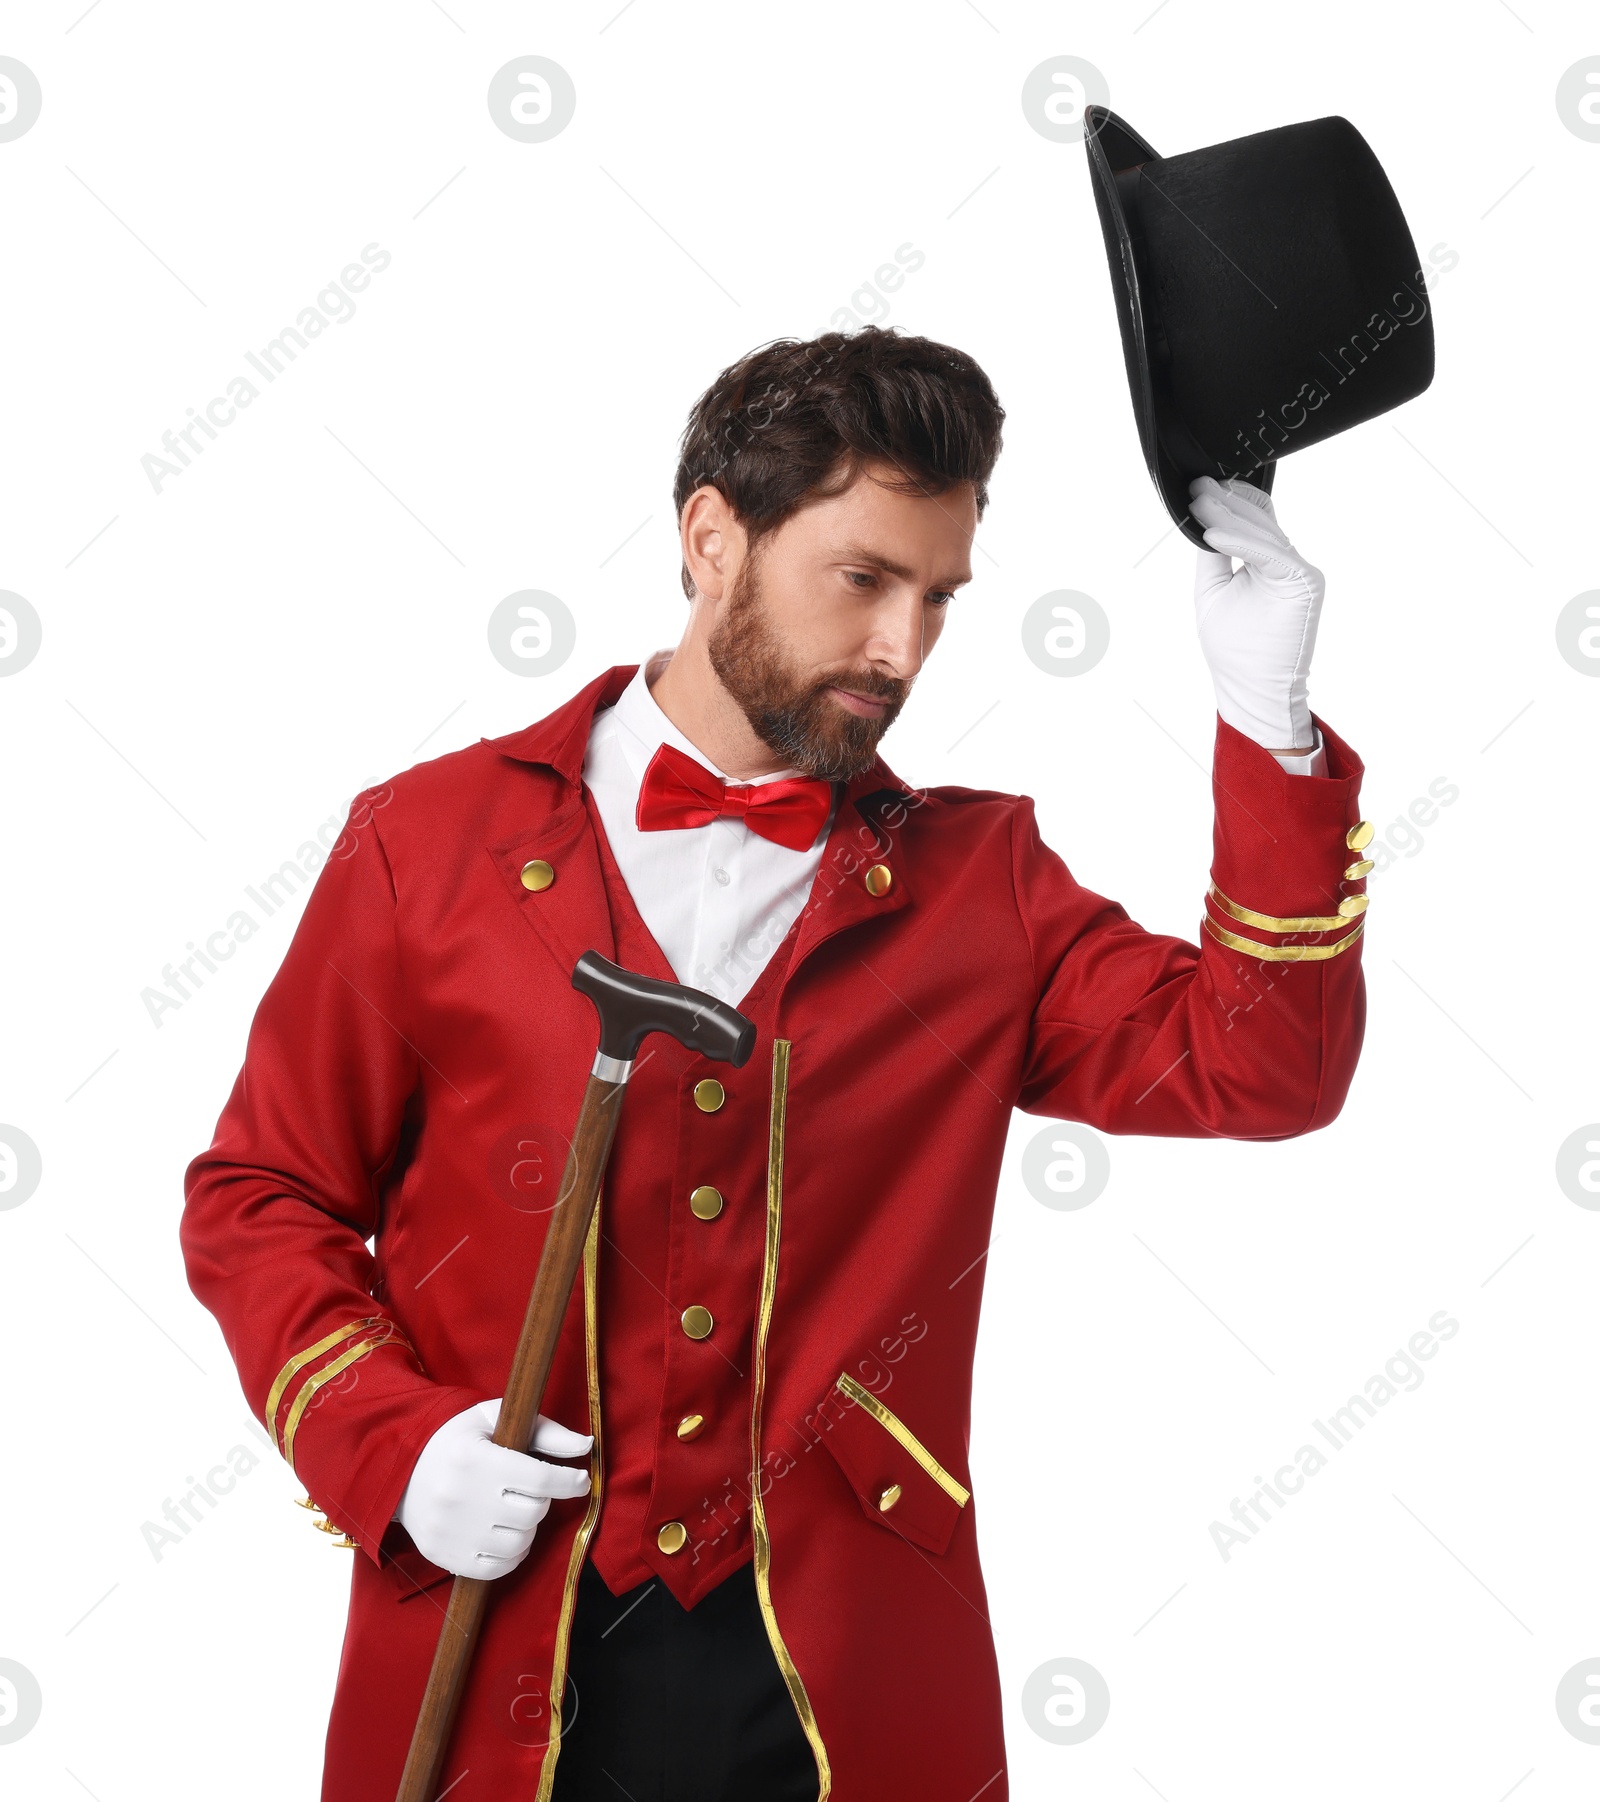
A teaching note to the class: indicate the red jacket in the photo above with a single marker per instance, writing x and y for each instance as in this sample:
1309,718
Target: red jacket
410,1076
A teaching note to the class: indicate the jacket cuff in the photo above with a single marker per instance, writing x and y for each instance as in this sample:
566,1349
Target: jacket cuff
381,1497
1288,873
350,1416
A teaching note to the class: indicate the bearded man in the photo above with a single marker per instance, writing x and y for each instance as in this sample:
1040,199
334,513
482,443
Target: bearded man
739,1560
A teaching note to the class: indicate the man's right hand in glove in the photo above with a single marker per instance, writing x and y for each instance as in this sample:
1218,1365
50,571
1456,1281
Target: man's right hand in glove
472,1507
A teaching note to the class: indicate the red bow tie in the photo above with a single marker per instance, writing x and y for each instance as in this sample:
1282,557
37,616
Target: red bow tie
678,792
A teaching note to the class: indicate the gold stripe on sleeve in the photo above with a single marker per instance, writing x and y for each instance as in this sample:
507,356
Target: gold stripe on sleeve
1275,923
300,1360
302,1400
1283,954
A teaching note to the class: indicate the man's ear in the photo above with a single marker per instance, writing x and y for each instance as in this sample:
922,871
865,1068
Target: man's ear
712,541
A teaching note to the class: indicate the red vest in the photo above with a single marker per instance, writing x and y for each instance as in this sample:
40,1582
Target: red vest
662,1255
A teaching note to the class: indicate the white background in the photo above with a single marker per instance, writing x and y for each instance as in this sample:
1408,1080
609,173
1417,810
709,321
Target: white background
303,612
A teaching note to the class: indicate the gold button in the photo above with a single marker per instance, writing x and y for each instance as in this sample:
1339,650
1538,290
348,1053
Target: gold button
673,1537
537,875
689,1427
697,1321
888,1497
1359,836
879,879
705,1203
709,1095
1352,905
1358,870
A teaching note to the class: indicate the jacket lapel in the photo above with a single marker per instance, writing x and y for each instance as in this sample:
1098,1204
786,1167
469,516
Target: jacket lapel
571,914
869,832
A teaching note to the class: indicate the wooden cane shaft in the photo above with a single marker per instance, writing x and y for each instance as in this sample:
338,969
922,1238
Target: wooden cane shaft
452,1658
530,1369
559,1261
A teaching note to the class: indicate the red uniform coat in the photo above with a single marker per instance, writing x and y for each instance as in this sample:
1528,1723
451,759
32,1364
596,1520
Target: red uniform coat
410,1073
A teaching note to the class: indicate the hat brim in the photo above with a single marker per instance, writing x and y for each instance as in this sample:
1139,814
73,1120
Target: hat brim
1115,148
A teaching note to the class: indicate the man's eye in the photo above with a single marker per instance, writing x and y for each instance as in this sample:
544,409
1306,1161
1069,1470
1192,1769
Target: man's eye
858,575
942,597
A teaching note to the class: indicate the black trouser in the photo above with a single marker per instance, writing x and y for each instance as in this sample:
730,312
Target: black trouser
674,1704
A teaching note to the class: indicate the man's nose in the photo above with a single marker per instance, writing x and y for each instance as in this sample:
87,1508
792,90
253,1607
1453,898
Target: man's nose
897,642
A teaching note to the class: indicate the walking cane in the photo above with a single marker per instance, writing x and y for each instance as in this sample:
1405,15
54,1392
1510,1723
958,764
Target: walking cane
629,1007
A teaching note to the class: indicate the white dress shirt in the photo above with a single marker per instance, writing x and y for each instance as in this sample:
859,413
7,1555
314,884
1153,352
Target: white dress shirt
717,899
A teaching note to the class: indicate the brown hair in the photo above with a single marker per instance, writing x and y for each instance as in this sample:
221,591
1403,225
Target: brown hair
796,419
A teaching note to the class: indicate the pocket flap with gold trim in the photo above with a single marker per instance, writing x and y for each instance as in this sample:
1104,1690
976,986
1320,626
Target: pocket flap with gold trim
899,1483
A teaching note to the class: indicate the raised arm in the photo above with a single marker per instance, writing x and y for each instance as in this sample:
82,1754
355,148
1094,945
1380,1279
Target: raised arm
1250,1033
1253,1032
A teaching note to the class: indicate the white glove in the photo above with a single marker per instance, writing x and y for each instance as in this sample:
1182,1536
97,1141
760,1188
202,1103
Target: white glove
472,1507
1258,624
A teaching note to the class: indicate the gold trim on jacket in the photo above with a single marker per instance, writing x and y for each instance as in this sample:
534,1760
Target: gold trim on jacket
893,1424
580,1542
1281,922
311,1385
299,1361
380,1330
1282,954
758,1517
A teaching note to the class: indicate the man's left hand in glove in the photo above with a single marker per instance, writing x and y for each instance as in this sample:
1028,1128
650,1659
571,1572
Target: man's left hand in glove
1257,623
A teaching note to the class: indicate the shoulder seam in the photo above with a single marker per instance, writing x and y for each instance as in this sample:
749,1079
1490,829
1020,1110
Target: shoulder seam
1018,802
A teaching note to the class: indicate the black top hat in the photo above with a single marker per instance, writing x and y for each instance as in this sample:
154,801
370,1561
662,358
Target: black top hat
1268,291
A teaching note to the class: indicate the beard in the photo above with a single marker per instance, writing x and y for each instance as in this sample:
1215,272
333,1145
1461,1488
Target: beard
793,714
